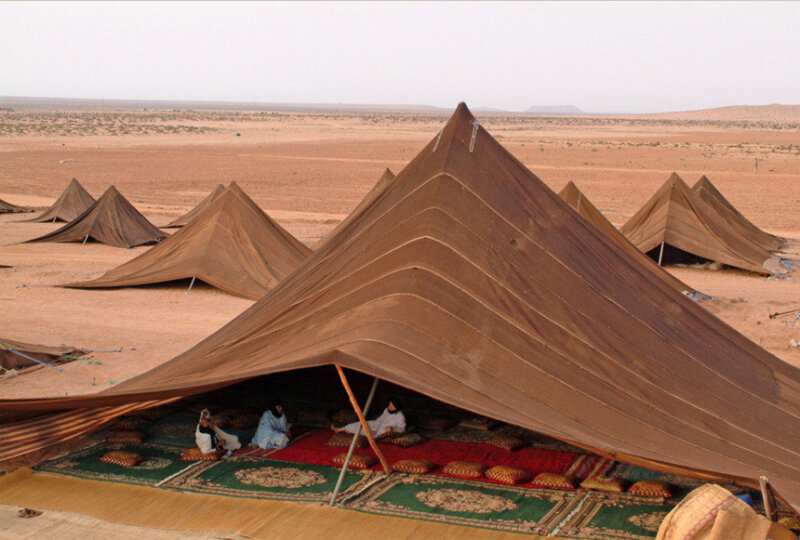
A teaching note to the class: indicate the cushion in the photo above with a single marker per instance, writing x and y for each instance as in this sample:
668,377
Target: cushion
129,423
604,483
357,461
506,442
649,488
313,418
194,454
344,439
345,416
464,469
436,424
125,437
405,439
244,421
122,458
553,481
415,466
478,423
507,475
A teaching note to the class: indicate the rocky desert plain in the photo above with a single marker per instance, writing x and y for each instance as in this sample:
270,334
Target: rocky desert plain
308,170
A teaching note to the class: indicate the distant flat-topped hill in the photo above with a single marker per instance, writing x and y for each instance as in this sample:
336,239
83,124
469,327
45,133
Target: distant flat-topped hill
554,109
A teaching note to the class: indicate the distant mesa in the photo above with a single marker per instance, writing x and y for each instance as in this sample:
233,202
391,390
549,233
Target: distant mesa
554,109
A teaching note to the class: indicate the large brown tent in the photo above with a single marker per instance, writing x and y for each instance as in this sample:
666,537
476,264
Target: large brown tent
711,196
193,213
11,359
577,200
232,245
472,282
676,221
111,220
73,202
8,208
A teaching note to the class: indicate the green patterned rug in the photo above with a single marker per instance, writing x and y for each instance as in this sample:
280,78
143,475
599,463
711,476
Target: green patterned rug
270,479
161,463
574,514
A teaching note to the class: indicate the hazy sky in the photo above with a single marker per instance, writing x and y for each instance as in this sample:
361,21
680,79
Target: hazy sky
601,57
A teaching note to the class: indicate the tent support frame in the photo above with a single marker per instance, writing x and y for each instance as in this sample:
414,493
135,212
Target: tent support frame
770,509
661,254
191,284
353,444
362,420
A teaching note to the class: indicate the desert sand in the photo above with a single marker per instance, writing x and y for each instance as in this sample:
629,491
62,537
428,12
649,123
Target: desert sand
308,170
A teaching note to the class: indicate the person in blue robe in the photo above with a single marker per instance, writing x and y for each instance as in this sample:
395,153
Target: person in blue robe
273,429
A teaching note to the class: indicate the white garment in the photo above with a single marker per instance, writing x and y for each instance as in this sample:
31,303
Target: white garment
379,426
205,444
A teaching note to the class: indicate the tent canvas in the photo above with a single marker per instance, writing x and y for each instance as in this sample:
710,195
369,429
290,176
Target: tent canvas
11,360
191,214
470,281
676,216
8,208
72,202
111,220
712,196
231,244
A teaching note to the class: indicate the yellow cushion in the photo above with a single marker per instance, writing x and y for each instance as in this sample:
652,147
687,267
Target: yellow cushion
415,466
464,469
125,437
553,481
122,458
345,416
436,424
195,454
313,418
649,488
478,423
604,483
507,475
129,423
506,443
357,461
405,439
344,439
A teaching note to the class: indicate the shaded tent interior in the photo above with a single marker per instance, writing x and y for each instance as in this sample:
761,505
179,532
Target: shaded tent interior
231,244
110,220
72,202
471,282
11,359
709,193
8,208
191,214
676,216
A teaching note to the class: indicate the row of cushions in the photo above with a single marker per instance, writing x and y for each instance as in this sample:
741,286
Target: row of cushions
125,437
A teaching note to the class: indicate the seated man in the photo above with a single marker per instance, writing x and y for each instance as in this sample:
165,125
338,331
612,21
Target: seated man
273,429
391,420
209,437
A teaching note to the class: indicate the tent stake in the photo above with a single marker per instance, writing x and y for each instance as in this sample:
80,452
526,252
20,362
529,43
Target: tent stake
661,254
191,284
363,420
353,444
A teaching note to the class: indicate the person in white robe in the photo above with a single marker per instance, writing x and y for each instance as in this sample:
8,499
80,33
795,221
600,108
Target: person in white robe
273,429
209,437
391,420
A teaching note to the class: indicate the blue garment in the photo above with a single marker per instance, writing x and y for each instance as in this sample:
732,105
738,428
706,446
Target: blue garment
271,432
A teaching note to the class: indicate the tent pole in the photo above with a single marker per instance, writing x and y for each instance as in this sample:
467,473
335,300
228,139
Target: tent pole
661,254
85,239
363,420
770,509
191,284
353,444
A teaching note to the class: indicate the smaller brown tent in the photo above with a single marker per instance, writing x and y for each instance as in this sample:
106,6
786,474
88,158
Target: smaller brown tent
8,208
72,203
111,220
711,196
232,245
202,205
11,359
675,224
577,200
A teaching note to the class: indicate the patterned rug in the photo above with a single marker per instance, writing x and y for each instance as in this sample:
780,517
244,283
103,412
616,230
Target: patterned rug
161,463
573,514
269,479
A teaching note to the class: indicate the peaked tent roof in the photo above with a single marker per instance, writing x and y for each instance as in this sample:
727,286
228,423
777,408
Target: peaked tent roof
676,216
11,360
711,196
8,208
577,200
111,220
232,245
383,182
472,282
74,200
191,214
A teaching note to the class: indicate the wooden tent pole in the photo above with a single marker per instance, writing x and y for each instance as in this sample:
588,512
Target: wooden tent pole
770,510
661,254
353,443
362,420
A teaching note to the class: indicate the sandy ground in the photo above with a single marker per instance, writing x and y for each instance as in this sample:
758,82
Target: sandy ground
308,171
